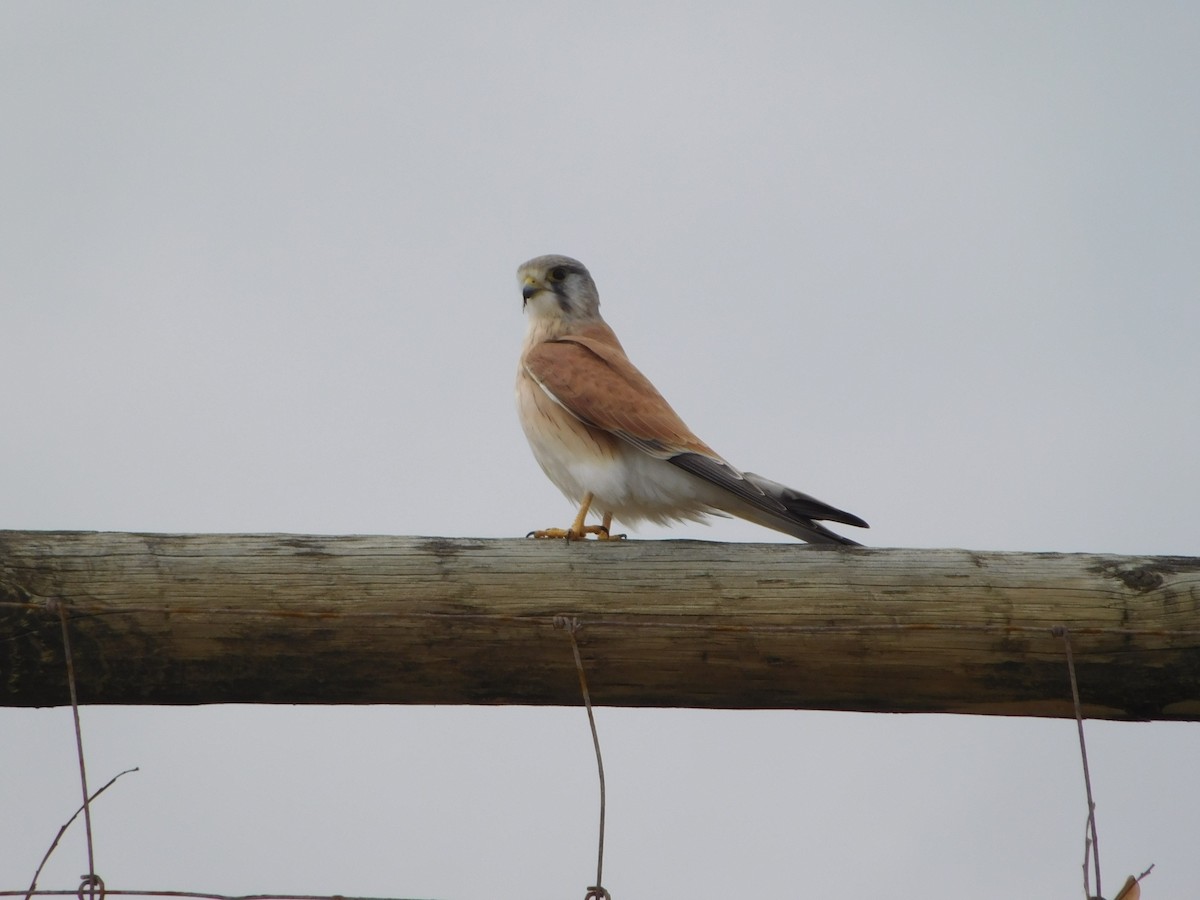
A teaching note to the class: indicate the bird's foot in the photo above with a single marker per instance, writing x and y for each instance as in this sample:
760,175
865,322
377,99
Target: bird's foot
571,534
602,533
543,533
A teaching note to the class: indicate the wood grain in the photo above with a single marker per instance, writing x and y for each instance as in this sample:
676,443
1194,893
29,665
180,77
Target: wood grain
231,618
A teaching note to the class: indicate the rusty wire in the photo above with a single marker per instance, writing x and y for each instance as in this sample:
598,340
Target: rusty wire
197,895
1091,839
91,882
571,626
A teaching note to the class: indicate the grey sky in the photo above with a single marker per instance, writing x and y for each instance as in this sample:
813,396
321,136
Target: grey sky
934,263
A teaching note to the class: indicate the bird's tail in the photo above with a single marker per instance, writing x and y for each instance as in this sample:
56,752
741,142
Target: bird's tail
799,514
765,502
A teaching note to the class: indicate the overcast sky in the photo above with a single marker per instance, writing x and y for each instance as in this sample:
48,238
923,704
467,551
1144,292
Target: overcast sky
935,263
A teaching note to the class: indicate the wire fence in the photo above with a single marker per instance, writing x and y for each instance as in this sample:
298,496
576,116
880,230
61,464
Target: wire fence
92,886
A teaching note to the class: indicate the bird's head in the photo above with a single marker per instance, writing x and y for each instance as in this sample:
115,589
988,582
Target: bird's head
558,289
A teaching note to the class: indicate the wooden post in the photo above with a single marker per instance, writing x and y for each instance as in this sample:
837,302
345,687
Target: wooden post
182,619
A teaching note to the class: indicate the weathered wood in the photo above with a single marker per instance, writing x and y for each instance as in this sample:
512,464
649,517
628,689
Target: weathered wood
179,619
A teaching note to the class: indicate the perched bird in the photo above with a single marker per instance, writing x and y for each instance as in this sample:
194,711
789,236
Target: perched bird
607,438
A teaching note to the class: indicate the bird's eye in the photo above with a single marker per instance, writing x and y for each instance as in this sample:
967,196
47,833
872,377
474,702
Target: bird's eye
558,273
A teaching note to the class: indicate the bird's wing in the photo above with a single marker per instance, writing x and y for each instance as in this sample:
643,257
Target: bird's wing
593,380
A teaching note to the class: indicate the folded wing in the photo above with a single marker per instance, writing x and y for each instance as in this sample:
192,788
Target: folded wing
590,376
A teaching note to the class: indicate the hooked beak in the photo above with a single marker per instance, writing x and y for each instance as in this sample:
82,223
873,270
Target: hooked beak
529,289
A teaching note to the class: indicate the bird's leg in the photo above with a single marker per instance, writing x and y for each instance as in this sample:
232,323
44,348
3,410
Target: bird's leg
605,532
578,530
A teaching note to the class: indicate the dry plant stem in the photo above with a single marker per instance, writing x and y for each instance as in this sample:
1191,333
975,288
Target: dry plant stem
87,809
63,830
1087,778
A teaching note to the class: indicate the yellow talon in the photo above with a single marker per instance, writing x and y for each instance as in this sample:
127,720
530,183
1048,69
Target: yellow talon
548,533
605,533
578,531
571,534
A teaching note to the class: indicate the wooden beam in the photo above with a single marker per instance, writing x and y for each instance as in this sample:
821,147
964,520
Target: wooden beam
221,618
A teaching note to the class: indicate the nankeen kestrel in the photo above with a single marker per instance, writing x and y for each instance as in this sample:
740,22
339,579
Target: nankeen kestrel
607,438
